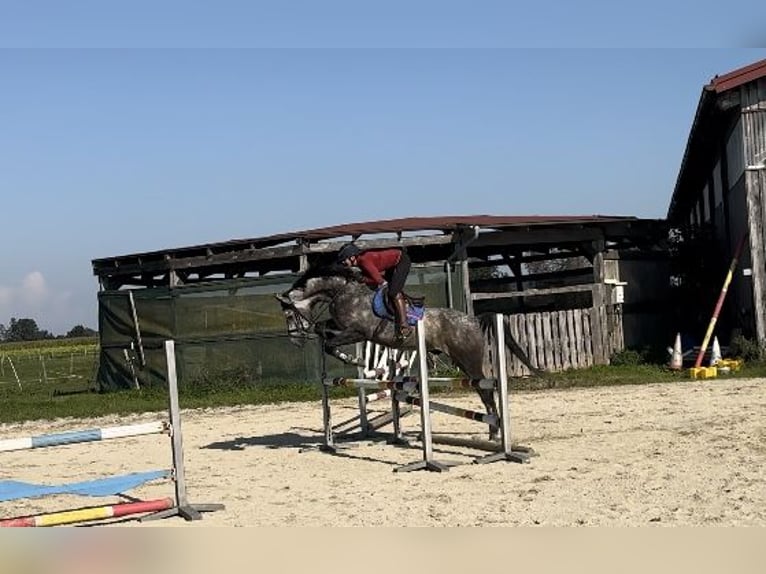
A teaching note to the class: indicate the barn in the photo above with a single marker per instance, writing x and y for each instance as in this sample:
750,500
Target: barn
575,287
718,204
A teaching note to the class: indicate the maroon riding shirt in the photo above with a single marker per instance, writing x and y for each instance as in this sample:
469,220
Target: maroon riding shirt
376,262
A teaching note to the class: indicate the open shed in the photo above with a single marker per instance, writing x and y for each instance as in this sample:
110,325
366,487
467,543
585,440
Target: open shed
577,289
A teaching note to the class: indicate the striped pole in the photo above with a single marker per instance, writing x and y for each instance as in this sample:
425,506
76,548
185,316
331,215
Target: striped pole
458,383
410,384
378,396
89,514
90,435
719,303
450,410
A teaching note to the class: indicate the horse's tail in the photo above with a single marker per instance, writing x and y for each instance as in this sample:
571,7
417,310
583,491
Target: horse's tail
487,322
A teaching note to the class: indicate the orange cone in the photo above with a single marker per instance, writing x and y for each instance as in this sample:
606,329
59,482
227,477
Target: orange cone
676,357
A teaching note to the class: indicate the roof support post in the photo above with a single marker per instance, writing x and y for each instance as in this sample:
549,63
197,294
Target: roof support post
598,309
756,226
461,253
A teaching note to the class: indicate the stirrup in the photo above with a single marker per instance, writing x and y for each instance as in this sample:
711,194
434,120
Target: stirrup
402,333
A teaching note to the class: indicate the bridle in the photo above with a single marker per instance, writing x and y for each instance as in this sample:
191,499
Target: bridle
306,317
305,327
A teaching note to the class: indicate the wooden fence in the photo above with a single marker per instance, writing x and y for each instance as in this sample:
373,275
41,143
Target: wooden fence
560,340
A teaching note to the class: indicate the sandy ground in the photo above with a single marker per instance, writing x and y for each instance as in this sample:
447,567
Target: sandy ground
664,454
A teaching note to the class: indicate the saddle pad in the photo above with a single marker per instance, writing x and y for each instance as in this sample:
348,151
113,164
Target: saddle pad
414,314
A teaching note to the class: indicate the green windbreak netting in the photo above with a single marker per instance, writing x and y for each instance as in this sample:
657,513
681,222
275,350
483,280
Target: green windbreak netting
228,332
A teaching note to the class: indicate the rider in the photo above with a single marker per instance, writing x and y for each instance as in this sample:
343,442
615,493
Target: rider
380,267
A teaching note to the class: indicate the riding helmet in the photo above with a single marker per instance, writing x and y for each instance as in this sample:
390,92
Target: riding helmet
348,250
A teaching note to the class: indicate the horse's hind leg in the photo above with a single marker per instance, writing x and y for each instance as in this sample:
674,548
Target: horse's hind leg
488,398
471,364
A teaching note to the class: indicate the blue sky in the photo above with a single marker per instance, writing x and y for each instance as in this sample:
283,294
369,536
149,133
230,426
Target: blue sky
127,131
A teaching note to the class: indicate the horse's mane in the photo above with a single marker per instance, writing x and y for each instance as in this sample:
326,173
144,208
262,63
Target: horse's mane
327,270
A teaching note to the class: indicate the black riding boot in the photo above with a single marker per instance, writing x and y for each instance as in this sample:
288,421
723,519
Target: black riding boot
401,329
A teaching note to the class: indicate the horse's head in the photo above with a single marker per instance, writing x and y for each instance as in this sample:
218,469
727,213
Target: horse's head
315,286
297,310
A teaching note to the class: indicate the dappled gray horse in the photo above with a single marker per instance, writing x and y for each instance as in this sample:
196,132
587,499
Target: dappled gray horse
460,336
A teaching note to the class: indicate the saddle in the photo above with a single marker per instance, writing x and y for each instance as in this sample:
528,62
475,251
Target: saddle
381,308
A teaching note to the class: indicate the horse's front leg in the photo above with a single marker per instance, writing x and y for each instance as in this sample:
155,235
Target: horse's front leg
333,338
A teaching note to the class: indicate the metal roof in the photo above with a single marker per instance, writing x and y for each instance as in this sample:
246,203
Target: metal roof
428,238
710,120
443,224
436,223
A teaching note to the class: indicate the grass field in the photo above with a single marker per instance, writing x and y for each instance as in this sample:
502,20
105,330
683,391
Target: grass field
54,379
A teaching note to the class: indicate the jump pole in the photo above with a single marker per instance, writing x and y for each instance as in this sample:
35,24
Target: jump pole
501,373
76,437
428,462
397,439
182,507
502,451
364,423
404,397
89,514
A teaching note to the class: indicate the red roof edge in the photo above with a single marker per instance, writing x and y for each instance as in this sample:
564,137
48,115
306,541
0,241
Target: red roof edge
738,77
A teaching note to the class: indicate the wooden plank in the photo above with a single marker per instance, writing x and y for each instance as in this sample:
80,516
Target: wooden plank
578,342
511,259
556,340
500,283
615,328
533,292
523,340
532,340
540,340
550,364
757,259
598,331
513,326
607,344
587,335
560,235
465,276
571,347
564,338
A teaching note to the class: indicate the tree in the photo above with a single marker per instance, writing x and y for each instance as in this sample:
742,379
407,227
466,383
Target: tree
3,332
25,330
80,331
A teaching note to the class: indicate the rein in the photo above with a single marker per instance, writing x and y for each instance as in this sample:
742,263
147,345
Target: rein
311,317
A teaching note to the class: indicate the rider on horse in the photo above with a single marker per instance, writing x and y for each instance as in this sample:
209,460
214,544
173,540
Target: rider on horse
381,267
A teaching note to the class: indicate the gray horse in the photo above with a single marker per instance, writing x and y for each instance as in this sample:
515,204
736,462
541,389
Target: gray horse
349,303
